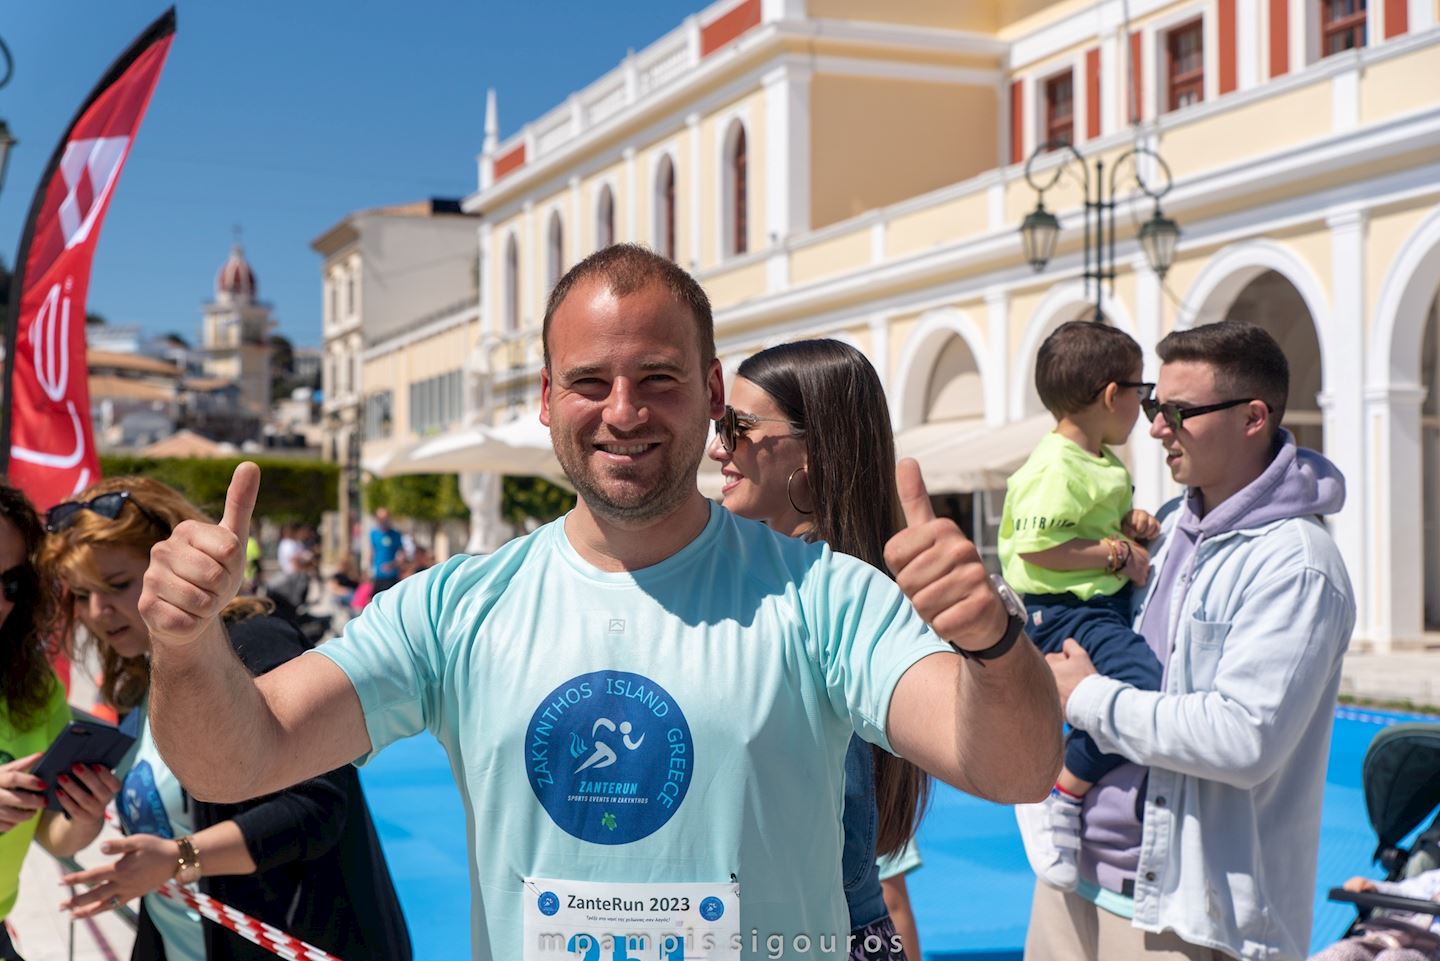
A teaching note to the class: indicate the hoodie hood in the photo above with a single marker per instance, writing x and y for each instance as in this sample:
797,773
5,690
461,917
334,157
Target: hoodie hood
1298,483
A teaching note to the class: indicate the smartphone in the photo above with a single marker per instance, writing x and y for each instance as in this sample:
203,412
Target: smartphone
81,742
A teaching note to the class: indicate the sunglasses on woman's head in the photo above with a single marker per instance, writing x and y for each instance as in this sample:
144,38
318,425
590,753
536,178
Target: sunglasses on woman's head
733,424
15,581
62,516
1175,415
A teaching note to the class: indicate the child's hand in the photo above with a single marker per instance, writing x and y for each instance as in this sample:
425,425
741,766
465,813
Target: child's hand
1138,567
1358,884
1140,525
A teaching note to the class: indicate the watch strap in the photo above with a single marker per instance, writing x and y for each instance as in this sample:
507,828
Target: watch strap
1013,629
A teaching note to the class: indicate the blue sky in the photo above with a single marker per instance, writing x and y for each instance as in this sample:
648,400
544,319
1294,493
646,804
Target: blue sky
282,117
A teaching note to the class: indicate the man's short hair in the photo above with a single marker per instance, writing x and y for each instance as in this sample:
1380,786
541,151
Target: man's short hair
1078,360
626,268
1248,362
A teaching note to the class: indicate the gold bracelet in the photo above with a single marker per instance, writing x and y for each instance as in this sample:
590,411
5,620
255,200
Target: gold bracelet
187,869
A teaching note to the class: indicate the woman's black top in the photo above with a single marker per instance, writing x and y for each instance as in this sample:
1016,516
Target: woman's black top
321,875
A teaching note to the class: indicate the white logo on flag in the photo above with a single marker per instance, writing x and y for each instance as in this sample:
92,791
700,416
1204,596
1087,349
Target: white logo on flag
89,168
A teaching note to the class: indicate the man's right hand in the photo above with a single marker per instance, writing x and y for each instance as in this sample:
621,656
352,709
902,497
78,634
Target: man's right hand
194,574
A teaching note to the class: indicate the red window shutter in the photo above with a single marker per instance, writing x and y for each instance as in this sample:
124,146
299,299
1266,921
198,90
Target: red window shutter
1397,18
1279,37
1136,108
1092,93
1017,121
1229,78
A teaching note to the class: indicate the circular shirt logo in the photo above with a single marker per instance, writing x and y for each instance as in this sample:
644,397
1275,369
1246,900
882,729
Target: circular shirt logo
549,903
609,756
711,909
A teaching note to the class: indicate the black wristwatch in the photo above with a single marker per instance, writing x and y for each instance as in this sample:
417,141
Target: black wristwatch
1013,628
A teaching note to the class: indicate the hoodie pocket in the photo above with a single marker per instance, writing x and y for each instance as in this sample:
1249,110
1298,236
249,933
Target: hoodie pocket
1207,641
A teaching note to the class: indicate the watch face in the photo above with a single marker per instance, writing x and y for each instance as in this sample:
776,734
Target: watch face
1013,605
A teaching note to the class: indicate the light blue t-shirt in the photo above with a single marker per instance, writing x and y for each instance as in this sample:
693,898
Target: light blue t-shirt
682,723
152,802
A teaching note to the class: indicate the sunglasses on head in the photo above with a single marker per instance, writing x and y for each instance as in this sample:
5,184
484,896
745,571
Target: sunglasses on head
62,516
733,424
15,582
1175,415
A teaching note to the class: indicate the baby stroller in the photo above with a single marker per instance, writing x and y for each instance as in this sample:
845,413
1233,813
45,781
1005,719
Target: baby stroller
1401,775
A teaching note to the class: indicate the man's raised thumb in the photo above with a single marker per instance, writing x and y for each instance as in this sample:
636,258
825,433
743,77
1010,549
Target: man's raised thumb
914,498
240,500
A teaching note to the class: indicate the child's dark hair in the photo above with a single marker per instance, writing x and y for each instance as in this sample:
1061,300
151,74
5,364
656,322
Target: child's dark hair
1079,360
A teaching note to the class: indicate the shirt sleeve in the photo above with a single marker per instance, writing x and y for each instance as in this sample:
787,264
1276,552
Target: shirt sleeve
1045,509
57,711
393,655
866,635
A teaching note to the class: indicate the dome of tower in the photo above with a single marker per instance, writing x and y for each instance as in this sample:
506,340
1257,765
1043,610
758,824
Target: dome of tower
235,277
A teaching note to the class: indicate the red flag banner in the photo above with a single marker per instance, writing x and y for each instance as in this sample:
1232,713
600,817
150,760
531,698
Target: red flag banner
46,429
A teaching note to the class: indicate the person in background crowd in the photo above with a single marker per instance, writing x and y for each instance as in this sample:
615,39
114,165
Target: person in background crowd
1207,850
799,449
386,550
305,859
32,712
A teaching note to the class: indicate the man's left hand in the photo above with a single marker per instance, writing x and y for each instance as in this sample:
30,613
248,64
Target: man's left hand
1070,666
940,570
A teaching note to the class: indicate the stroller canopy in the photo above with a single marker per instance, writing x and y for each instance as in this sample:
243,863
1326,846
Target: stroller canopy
1402,780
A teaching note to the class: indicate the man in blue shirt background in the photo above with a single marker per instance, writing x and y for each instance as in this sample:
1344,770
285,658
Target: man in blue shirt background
385,546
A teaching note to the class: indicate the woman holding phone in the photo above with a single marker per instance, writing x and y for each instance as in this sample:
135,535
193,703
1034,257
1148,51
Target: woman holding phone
33,712
305,860
805,446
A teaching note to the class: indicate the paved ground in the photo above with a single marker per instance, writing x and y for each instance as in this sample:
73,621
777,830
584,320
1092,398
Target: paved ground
1410,675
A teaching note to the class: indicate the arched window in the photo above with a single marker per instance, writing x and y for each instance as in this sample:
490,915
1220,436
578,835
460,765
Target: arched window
555,252
665,208
737,216
512,284
605,219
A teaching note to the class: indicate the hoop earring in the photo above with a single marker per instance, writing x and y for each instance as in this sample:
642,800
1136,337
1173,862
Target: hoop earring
791,497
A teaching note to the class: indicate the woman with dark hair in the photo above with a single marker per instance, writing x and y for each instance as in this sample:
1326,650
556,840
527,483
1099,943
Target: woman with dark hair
805,446
305,860
33,711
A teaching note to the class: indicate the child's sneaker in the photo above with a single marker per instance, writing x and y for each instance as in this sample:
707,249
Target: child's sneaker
1051,832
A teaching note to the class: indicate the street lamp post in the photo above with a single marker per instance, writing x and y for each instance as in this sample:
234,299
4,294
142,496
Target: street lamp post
1040,230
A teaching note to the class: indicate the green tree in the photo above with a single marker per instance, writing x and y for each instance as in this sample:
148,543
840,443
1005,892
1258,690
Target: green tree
291,491
432,499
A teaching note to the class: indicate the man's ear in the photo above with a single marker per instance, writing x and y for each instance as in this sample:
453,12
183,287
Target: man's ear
1258,417
715,388
545,395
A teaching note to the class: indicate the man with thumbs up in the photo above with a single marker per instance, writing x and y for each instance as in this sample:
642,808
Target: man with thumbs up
648,700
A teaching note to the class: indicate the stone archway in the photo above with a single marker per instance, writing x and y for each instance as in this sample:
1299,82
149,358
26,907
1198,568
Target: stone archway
1271,301
1403,410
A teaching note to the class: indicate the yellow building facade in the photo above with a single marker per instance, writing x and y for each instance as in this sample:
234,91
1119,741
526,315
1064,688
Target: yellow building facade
839,168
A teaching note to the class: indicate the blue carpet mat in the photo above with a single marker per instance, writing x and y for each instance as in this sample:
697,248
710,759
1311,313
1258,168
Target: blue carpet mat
971,898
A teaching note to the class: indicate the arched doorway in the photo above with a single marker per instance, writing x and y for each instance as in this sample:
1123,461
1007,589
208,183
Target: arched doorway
1272,302
953,408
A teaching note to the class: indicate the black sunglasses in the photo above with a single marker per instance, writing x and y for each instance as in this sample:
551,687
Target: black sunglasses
1175,415
733,424
108,506
15,581
1145,387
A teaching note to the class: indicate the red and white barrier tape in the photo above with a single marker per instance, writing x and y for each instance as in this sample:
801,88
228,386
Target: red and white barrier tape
270,938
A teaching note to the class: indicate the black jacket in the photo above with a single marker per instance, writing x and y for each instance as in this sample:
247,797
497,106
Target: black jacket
321,874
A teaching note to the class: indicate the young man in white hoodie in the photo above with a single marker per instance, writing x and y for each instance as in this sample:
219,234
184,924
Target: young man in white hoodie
1205,847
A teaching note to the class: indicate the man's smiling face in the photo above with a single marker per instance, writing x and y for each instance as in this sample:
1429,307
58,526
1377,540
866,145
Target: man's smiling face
627,399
